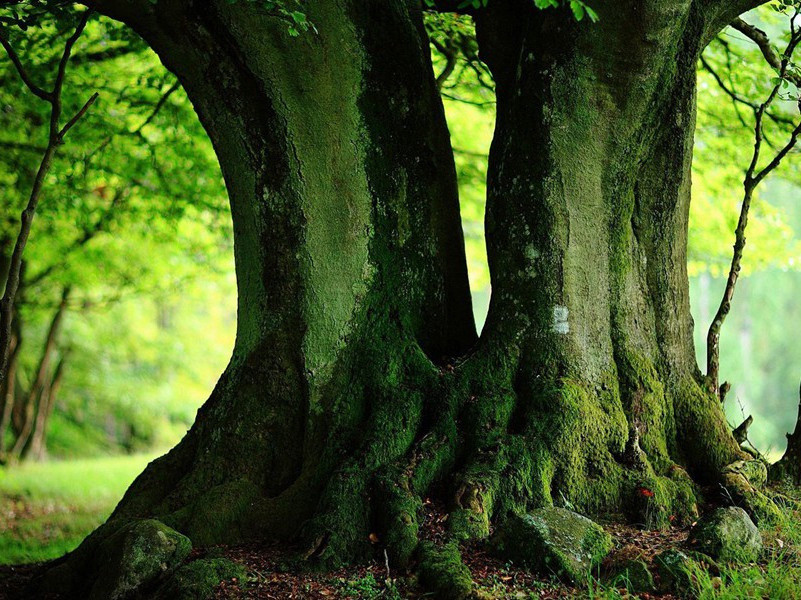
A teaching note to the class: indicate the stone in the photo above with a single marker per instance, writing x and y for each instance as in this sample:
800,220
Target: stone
139,554
553,541
675,570
635,575
727,534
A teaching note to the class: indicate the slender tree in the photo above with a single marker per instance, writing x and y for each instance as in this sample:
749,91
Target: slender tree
55,138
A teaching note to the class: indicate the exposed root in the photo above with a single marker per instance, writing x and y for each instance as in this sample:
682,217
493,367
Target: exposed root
442,571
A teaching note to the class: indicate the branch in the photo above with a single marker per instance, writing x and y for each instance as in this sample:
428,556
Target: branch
753,177
721,13
55,139
55,114
159,105
26,79
761,39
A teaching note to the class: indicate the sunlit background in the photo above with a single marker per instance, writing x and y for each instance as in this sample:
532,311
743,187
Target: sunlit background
133,233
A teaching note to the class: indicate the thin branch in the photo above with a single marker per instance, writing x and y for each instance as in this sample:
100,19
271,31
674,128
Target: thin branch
761,39
159,105
753,177
55,139
26,79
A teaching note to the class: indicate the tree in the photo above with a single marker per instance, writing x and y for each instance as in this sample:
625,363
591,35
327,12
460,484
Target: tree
113,224
357,384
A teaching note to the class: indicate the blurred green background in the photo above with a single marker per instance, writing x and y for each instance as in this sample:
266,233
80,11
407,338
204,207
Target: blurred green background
133,233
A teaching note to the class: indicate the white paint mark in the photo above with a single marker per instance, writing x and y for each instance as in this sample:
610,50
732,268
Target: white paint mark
560,320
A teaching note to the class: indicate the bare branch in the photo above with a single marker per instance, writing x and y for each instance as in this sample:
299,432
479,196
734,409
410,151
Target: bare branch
753,177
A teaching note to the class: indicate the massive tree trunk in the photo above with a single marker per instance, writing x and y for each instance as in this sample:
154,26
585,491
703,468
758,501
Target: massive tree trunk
357,383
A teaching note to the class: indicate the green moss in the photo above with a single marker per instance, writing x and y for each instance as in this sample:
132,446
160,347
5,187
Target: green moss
644,402
135,556
658,502
442,571
581,430
465,524
702,434
199,579
553,541
398,516
737,490
219,515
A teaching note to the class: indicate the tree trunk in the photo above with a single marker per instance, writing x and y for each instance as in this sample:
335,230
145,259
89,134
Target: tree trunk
788,468
356,382
589,188
9,388
34,404
47,402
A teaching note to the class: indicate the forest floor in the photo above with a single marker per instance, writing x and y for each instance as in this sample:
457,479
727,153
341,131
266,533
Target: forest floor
46,509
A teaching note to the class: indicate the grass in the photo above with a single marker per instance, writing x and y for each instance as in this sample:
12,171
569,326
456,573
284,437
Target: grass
46,509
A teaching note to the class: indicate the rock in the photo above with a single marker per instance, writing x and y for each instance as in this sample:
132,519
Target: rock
137,555
635,575
553,541
675,570
442,572
727,534
199,579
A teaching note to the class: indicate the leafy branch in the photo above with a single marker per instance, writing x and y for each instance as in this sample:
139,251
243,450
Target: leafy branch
754,175
56,135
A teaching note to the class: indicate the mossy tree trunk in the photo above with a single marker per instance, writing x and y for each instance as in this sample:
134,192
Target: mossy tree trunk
357,382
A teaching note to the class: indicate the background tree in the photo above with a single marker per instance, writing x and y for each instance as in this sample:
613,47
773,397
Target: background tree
129,212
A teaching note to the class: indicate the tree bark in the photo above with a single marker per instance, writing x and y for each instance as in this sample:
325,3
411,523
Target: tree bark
35,401
356,382
47,402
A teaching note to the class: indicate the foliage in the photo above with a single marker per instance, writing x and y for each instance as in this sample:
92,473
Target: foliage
134,220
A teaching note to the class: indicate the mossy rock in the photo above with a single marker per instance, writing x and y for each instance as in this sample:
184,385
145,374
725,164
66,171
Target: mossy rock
635,575
135,556
727,534
676,571
553,541
199,579
442,572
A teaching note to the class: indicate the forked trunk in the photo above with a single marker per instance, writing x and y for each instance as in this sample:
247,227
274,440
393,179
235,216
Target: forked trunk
357,386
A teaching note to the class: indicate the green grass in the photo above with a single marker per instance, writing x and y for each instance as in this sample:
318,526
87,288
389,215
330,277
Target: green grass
46,509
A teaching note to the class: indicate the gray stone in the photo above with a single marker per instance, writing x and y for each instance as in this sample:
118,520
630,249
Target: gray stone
553,541
137,555
727,534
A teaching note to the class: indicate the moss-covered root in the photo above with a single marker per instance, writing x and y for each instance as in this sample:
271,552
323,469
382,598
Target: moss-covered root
741,484
199,579
442,572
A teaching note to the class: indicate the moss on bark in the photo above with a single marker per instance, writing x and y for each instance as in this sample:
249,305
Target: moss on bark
357,386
